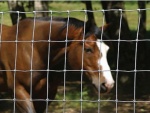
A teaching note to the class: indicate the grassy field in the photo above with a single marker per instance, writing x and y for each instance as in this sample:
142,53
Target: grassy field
73,89
132,16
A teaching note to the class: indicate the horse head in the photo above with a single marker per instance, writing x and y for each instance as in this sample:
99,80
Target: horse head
90,56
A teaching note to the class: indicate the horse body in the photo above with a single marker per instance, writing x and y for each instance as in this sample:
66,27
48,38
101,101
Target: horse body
26,56
25,59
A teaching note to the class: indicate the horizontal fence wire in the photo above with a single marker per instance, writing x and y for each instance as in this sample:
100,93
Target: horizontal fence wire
64,99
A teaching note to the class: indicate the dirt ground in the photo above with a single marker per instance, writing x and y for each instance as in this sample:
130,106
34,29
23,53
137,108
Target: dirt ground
125,104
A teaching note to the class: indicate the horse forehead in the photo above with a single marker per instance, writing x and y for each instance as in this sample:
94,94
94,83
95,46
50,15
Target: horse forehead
103,48
91,39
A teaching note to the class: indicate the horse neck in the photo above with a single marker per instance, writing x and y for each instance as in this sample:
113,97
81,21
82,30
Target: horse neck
5,32
70,33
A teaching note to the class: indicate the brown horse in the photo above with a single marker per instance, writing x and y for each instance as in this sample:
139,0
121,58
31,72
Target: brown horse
33,50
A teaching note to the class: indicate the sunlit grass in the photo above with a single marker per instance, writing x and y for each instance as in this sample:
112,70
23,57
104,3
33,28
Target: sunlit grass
132,16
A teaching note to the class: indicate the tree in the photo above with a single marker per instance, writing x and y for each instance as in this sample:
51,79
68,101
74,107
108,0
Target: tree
142,30
16,6
90,14
41,6
114,17
124,58
127,49
141,35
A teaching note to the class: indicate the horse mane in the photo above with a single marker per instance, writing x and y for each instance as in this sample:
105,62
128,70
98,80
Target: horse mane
89,27
76,23
72,21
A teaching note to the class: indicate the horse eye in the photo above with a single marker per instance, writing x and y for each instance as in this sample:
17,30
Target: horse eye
88,50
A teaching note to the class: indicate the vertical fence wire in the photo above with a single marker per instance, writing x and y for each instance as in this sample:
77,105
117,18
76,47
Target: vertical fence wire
135,69
102,32
2,15
1,21
15,67
82,57
31,60
117,70
65,61
48,60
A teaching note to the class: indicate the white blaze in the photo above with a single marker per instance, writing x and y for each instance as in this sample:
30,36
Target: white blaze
109,82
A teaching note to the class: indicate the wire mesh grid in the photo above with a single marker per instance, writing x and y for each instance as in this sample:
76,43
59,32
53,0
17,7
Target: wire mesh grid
81,100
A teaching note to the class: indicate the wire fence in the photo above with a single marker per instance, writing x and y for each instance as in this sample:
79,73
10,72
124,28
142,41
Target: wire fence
77,96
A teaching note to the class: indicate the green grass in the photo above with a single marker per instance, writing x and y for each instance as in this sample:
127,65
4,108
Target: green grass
132,16
73,95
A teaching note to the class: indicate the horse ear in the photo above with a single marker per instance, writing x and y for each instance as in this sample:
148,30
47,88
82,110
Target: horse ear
106,28
89,26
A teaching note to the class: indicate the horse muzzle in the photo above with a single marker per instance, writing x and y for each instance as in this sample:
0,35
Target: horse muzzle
104,88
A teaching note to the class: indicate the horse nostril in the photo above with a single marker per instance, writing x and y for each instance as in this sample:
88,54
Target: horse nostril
103,88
